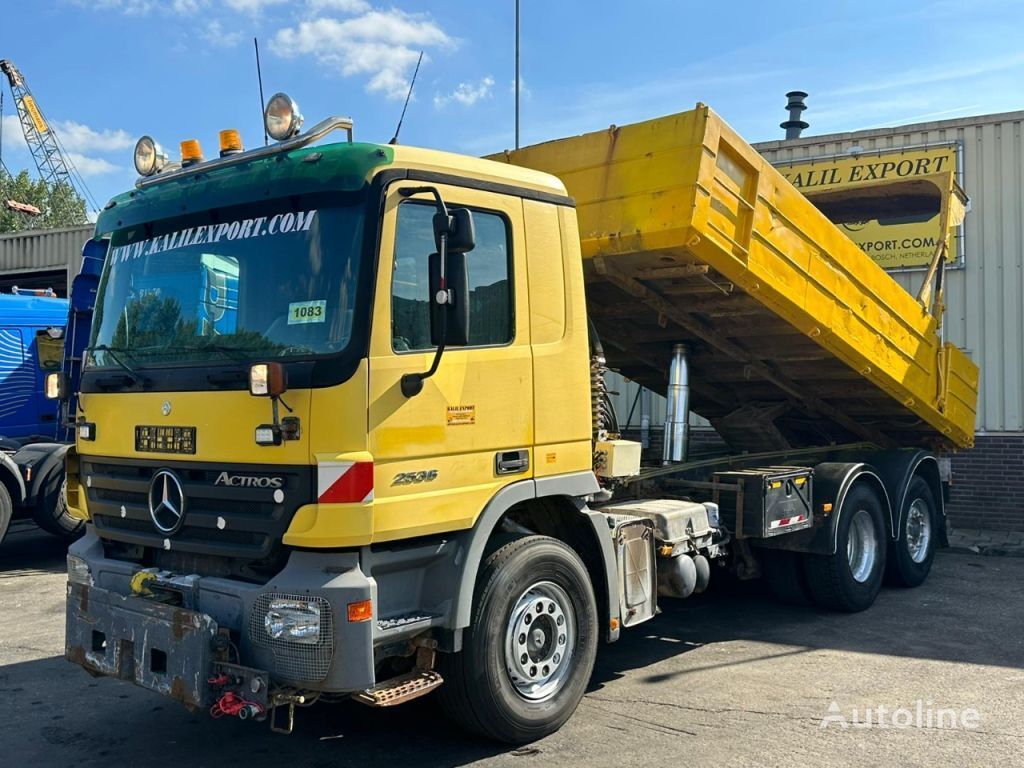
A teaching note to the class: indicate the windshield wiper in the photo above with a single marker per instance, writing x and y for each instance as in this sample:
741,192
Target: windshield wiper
112,351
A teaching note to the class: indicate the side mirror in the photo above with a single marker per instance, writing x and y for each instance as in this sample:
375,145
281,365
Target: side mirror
458,226
454,330
57,386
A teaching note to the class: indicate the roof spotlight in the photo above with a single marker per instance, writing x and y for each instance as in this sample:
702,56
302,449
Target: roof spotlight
282,118
150,157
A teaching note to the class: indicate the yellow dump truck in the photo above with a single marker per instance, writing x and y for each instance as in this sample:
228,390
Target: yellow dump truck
343,429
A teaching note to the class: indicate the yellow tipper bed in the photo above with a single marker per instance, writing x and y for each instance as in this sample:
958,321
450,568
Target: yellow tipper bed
795,336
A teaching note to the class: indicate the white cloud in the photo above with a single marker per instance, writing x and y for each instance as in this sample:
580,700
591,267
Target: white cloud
343,6
467,94
251,6
128,7
215,34
91,166
77,137
381,45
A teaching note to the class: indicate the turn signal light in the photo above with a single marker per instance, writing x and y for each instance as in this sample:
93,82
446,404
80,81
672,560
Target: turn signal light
191,152
230,142
361,611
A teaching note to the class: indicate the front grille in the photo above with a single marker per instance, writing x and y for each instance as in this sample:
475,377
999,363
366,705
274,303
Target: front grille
240,524
295,662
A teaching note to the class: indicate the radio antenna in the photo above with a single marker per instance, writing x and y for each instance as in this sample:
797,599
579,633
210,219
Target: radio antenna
259,77
394,139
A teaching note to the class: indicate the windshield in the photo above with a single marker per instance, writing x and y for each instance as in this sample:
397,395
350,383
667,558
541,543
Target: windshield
273,281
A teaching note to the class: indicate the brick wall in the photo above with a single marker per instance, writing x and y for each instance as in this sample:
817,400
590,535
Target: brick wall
988,480
988,484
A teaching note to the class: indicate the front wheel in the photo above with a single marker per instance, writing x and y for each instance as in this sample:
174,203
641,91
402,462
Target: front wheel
528,655
911,555
51,512
850,579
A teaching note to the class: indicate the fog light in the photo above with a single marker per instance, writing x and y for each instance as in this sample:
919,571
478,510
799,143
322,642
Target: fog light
79,571
294,620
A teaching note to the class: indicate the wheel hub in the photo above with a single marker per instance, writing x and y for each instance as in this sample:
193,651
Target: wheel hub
919,531
862,546
539,641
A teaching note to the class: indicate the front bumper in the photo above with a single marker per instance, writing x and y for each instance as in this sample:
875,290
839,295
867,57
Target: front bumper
161,647
174,649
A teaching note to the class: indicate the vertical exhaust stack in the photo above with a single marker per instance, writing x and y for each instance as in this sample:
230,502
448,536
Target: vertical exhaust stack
794,126
677,408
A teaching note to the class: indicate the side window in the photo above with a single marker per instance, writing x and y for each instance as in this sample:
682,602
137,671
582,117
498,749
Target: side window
490,284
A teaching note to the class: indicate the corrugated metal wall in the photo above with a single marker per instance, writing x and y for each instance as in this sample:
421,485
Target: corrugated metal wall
43,249
985,299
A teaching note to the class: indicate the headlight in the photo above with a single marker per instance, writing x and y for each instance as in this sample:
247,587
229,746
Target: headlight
79,571
282,118
295,620
150,157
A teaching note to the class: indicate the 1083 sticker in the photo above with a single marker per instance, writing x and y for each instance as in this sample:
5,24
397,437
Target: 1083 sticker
307,312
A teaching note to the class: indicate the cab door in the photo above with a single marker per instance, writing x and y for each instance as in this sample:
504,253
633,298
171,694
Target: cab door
440,455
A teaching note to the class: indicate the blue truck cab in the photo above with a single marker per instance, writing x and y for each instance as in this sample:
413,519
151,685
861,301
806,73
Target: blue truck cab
31,345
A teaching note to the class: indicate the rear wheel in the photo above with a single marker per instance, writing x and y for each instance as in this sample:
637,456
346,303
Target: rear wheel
911,555
850,579
527,657
51,512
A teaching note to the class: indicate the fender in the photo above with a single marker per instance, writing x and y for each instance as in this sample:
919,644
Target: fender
832,482
43,459
574,486
15,483
897,468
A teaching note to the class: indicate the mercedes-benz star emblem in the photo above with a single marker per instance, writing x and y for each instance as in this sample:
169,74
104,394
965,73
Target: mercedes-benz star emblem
166,502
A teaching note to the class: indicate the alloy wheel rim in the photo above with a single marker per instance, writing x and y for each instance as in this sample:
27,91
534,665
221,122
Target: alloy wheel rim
919,531
862,546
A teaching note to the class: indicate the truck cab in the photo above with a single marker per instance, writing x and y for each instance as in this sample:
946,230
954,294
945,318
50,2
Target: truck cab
31,345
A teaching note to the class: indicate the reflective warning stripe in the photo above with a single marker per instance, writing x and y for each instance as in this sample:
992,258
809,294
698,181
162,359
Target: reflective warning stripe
782,522
344,482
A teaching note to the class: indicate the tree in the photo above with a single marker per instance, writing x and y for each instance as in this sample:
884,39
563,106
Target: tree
60,204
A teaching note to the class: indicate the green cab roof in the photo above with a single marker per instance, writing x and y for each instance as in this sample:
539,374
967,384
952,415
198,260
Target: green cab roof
340,167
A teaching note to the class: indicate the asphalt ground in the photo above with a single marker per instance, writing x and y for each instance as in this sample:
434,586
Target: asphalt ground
728,678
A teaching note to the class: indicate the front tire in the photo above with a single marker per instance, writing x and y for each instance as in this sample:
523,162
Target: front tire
529,652
850,579
51,511
911,555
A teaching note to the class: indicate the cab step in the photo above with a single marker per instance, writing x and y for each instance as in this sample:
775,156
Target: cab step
399,690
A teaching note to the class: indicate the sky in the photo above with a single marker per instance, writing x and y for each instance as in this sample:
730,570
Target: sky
105,72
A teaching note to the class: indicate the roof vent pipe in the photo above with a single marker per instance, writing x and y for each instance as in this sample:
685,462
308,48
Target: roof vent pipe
795,106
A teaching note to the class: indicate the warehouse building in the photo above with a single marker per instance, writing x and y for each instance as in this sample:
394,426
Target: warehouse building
42,258
984,276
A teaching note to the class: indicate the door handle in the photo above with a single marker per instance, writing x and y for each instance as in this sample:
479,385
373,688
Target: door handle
511,462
